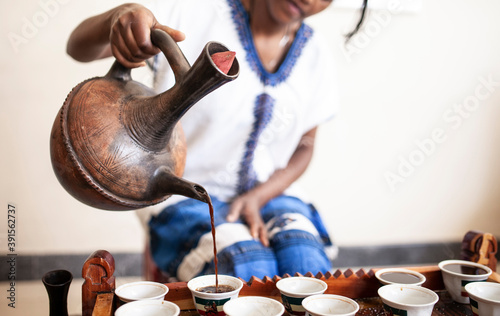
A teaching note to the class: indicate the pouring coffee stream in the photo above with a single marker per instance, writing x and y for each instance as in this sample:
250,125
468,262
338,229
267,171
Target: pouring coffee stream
118,145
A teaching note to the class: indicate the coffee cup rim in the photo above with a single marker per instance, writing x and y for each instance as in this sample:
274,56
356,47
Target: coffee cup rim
442,266
381,292
221,277
327,296
379,276
477,297
280,285
125,309
127,298
280,309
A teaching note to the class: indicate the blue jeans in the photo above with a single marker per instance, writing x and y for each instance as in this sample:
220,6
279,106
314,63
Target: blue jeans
181,237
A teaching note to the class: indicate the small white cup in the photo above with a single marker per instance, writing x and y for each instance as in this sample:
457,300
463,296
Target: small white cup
141,290
413,299
399,276
484,298
294,289
213,302
253,305
329,304
148,308
455,279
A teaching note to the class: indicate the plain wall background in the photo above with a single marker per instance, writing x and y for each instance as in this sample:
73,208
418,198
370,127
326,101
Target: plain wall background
412,157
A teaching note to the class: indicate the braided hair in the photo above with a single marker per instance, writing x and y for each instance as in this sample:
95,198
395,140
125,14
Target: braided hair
360,21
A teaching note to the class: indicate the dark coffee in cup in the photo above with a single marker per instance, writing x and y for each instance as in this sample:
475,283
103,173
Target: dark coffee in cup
400,277
221,288
465,269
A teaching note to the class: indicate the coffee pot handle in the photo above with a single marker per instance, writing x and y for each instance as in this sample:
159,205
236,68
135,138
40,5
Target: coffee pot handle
178,62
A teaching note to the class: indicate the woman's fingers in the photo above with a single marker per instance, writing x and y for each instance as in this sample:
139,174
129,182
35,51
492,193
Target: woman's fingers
246,208
257,227
123,55
141,45
176,35
130,36
234,212
260,233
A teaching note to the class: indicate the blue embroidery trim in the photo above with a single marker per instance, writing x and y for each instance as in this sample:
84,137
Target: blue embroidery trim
263,109
241,19
263,112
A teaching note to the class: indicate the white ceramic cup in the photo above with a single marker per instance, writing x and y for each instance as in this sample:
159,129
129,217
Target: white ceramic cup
329,304
294,289
148,308
141,290
411,300
484,298
455,279
253,305
213,302
399,276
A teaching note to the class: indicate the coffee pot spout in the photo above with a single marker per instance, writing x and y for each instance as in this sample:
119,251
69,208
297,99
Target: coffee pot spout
165,182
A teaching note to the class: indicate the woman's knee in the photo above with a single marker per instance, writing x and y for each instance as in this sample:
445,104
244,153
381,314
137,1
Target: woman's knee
300,251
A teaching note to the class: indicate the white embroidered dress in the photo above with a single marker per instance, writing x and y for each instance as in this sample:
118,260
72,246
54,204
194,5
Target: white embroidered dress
218,127
238,136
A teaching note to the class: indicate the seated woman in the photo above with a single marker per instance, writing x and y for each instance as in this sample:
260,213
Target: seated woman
247,142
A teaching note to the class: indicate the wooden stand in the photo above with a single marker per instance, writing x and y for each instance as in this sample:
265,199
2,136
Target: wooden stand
481,248
99,285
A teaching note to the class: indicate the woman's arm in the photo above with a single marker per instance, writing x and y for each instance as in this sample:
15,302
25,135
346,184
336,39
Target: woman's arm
248,205
123,32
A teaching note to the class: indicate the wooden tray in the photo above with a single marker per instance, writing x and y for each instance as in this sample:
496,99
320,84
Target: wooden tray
360,285
356,285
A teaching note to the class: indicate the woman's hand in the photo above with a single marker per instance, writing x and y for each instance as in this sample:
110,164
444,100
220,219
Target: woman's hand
123,32
247,207
130,35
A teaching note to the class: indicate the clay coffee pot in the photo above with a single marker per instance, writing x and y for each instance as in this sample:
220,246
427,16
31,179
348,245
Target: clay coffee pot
117,145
